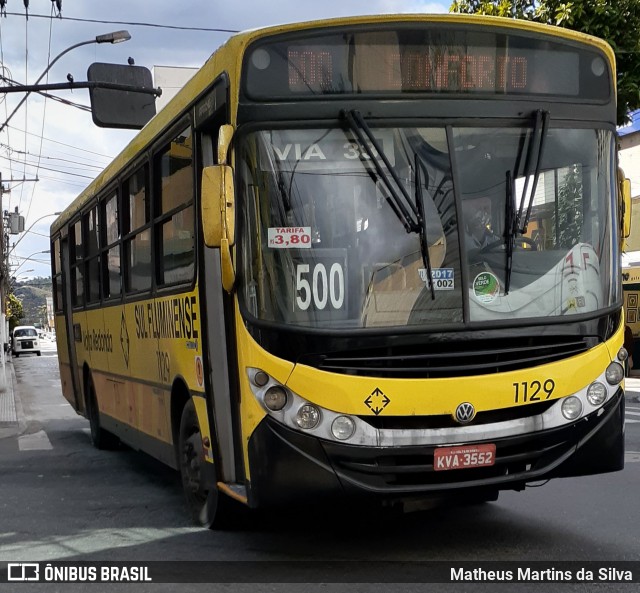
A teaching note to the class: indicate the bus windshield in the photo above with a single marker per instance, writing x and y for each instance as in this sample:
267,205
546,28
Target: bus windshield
325,244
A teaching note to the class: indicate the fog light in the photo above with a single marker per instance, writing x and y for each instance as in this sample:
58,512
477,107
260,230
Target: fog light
260,378
597,393
275,398
343,428
614,373
571,408
308,417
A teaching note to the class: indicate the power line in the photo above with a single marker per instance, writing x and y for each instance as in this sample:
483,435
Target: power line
27,164
106,156
132,24
52,158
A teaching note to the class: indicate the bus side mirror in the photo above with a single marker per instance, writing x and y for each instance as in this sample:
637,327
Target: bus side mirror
218,216
218,205
626,199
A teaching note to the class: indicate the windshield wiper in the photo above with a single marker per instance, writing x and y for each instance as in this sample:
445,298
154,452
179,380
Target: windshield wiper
510,229
413,217
515,223
536,147
408,216
424,242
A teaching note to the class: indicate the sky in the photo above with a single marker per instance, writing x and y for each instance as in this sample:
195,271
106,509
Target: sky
57,143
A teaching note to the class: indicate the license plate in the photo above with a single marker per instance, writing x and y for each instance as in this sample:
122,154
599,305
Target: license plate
464,456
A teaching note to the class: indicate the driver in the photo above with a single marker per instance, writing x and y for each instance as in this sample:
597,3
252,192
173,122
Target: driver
476,213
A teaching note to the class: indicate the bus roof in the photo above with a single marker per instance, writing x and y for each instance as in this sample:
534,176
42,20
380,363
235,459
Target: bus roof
228,57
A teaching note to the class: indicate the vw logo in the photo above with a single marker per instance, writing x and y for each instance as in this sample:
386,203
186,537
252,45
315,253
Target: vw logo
465,413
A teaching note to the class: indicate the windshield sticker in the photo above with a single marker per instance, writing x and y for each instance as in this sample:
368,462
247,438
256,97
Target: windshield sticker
289,237
486,287
443,278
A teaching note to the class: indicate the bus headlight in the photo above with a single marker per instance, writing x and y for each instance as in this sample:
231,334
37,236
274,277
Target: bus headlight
342,428
571,407
308,416
275,398
614,373
597,393
622,355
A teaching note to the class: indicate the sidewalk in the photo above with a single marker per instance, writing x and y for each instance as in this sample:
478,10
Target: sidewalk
11,416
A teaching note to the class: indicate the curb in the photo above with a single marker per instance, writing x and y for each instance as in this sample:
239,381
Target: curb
19,426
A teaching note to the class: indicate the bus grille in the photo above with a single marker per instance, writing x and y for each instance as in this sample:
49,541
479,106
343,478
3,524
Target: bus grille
450,359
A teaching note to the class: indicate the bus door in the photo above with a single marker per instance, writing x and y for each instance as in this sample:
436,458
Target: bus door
69,326
210,115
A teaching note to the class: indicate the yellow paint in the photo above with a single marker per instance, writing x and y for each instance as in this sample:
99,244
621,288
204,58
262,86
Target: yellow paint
135,352
408,397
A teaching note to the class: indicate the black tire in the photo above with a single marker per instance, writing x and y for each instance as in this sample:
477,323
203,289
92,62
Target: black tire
100,438
39,353
207,505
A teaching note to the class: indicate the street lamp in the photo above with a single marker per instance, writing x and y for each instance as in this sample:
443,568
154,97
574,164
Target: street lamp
115,37
25,232
26,259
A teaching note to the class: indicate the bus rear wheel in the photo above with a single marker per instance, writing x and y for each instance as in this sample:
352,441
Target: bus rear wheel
207,505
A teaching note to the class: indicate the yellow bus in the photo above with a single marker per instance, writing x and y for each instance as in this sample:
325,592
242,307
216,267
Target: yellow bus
360,258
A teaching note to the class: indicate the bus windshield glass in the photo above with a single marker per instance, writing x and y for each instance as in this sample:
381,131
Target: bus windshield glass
324,244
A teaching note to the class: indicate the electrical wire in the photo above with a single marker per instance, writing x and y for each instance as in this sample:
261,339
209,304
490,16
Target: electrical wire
27,164
106,156
53,158
132,24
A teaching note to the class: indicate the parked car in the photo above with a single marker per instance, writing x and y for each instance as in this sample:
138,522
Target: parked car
25,340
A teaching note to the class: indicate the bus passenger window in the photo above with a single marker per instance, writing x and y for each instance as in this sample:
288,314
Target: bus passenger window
174,211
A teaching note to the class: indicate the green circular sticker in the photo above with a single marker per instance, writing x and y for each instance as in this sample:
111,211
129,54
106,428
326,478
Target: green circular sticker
486,287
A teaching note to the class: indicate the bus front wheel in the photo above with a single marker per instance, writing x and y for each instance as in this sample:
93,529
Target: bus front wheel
207,505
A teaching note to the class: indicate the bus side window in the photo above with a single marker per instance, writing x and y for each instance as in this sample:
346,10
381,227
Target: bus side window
174,215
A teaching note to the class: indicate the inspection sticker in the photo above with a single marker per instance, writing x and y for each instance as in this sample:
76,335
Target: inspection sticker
486,287
289,237
442,278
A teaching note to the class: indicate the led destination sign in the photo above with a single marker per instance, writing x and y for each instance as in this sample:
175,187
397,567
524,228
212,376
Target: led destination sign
456,70
430,60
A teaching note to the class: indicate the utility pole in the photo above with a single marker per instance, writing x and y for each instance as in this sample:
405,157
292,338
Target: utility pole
10,223
4,283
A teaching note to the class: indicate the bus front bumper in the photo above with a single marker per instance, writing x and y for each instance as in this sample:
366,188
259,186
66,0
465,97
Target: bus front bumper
288,466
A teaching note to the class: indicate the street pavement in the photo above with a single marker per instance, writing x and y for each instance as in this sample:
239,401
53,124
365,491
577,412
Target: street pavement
14,421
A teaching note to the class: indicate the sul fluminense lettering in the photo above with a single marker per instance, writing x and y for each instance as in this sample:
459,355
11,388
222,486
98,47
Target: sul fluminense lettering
171,318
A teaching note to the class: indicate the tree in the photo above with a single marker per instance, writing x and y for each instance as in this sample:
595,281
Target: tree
569,215
14,310
615,21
